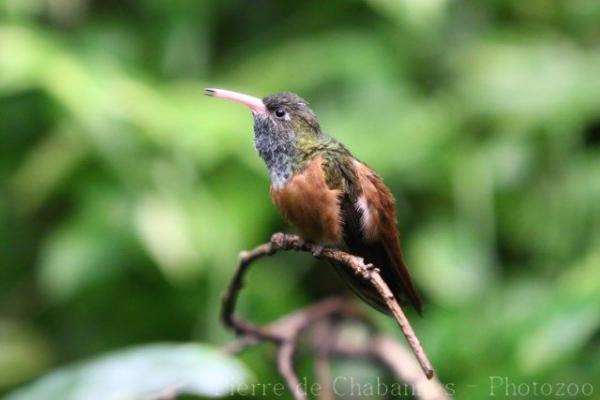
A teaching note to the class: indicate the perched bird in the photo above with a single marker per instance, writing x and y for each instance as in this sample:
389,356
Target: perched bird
332,198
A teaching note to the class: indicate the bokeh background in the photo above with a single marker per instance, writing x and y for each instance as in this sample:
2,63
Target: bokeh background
126,195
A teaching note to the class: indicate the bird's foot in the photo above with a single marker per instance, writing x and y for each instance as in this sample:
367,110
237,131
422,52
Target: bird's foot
369,270
317,250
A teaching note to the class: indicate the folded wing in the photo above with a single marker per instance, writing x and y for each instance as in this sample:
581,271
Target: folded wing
370,231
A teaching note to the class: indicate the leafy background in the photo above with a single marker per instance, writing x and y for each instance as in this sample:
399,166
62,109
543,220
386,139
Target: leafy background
125,195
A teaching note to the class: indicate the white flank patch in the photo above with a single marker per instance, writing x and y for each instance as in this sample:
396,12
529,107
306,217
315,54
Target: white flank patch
362,205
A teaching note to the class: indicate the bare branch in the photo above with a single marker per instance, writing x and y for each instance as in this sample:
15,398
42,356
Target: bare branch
285,331
285,366
396,358
323,375
324,336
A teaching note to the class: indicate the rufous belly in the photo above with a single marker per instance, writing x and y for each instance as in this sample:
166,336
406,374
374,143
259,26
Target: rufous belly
310,205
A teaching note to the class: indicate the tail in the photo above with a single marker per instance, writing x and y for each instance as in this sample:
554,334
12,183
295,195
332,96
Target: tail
396,277
362,288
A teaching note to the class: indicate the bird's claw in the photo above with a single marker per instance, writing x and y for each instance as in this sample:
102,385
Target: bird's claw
317,250
369,270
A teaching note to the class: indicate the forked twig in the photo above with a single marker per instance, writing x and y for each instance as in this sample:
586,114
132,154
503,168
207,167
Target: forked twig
285,331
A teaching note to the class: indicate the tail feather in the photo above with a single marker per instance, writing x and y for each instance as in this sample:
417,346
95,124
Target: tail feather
362,288
392,275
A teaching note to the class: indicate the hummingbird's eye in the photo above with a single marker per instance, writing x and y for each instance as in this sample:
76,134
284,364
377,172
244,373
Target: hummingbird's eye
280,113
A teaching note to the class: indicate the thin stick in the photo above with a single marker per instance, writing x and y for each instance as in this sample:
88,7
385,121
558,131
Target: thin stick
323,338
395,357
285,332
280,241
284,364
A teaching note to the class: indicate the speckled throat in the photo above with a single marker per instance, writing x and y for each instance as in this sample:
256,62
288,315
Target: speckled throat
277,148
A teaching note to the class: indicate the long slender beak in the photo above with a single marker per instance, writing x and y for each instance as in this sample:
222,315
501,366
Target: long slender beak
254,103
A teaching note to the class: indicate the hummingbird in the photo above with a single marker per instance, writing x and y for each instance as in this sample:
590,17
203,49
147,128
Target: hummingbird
327,194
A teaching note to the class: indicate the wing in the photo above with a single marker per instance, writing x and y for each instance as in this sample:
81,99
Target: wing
370,231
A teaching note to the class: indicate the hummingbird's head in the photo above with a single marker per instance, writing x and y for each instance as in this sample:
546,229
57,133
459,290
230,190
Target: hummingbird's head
278,114
284,125
288,112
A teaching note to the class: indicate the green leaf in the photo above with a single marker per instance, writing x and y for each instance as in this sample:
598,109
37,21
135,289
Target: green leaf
141,373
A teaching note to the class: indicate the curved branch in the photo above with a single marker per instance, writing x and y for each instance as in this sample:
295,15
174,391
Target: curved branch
284,332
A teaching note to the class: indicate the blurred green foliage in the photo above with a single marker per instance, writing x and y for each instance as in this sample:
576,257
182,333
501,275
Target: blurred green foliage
125,195
142,373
